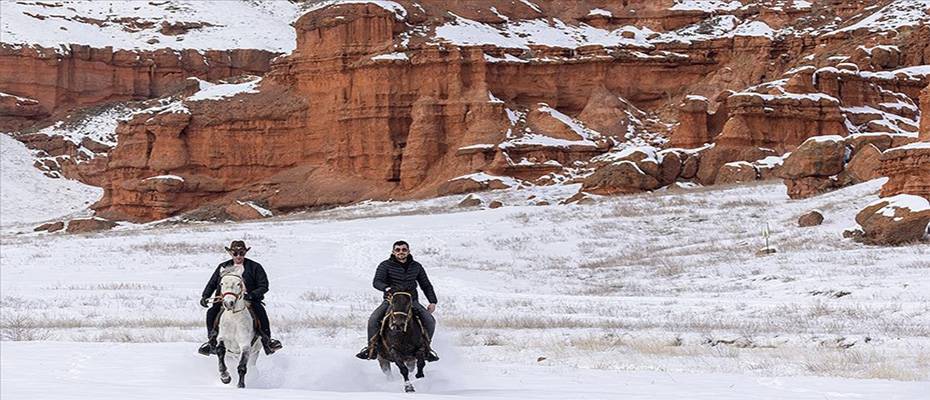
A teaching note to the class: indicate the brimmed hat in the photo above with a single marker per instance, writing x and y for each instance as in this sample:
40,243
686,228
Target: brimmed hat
238,245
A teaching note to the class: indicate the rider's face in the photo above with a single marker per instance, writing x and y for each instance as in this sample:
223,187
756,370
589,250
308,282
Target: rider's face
401,252
238,256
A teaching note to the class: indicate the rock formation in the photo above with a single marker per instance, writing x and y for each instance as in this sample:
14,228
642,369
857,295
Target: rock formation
378,101
83,75
908,170
908,167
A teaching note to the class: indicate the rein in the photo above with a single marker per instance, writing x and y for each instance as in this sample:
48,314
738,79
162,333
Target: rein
407,314
238,296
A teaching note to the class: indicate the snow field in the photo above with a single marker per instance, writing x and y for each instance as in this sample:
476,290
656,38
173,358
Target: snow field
663,282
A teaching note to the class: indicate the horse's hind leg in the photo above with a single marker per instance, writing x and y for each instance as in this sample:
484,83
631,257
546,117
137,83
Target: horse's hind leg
254,357
243,363
385,367
402,366
221,355
421,362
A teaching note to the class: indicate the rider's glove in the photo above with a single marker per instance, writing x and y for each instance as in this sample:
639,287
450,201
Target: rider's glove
388,290
248,297
204,302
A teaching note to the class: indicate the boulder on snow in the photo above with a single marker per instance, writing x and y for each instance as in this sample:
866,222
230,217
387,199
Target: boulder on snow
578,198
89,225
50,227
470,201
895,220
812,218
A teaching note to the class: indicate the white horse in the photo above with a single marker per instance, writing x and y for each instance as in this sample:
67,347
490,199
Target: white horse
237,330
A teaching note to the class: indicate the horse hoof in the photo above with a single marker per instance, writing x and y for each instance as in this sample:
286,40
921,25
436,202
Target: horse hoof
409,389
241,385
225,379
419,376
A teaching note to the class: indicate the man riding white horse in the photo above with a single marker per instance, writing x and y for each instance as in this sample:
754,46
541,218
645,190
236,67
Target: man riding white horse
400,273
256,285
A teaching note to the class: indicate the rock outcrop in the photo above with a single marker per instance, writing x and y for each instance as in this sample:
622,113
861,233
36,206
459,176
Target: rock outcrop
823,163
908,167
908,170
925,115
83,75
17,111
895,220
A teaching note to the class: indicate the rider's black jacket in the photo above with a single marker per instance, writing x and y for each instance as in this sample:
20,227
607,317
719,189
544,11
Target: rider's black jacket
403,277
256,282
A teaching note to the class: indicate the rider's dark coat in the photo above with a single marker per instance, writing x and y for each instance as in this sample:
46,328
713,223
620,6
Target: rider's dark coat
403,277
253,275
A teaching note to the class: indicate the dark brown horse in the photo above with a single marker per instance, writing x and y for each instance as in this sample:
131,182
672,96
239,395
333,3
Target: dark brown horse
402,339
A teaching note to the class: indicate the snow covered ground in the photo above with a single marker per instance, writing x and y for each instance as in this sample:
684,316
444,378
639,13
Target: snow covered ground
170,370
650,296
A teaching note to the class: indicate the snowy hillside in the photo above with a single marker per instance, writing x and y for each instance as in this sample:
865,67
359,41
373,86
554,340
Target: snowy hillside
150,25
29,197
535,301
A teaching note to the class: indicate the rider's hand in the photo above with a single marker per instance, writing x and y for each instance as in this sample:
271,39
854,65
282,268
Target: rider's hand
388,290
248,297
431,307
204,302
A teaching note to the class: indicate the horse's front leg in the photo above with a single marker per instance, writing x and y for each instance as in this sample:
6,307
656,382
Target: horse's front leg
243,365
221,355
421,362
402,366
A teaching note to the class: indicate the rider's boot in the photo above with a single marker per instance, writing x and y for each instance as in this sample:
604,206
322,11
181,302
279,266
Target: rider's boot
209,348
270,345
369,352
363,354
431,355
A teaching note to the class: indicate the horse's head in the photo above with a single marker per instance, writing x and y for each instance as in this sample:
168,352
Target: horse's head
232,288
400,311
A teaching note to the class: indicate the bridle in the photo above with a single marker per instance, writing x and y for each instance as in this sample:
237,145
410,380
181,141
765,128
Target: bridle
407,315
238,296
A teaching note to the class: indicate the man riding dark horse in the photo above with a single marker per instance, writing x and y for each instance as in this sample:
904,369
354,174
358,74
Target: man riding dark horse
400,273
256,285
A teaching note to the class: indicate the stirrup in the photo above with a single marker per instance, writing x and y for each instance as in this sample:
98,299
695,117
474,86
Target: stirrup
271,345
431,356
367,353
207,349
363,353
